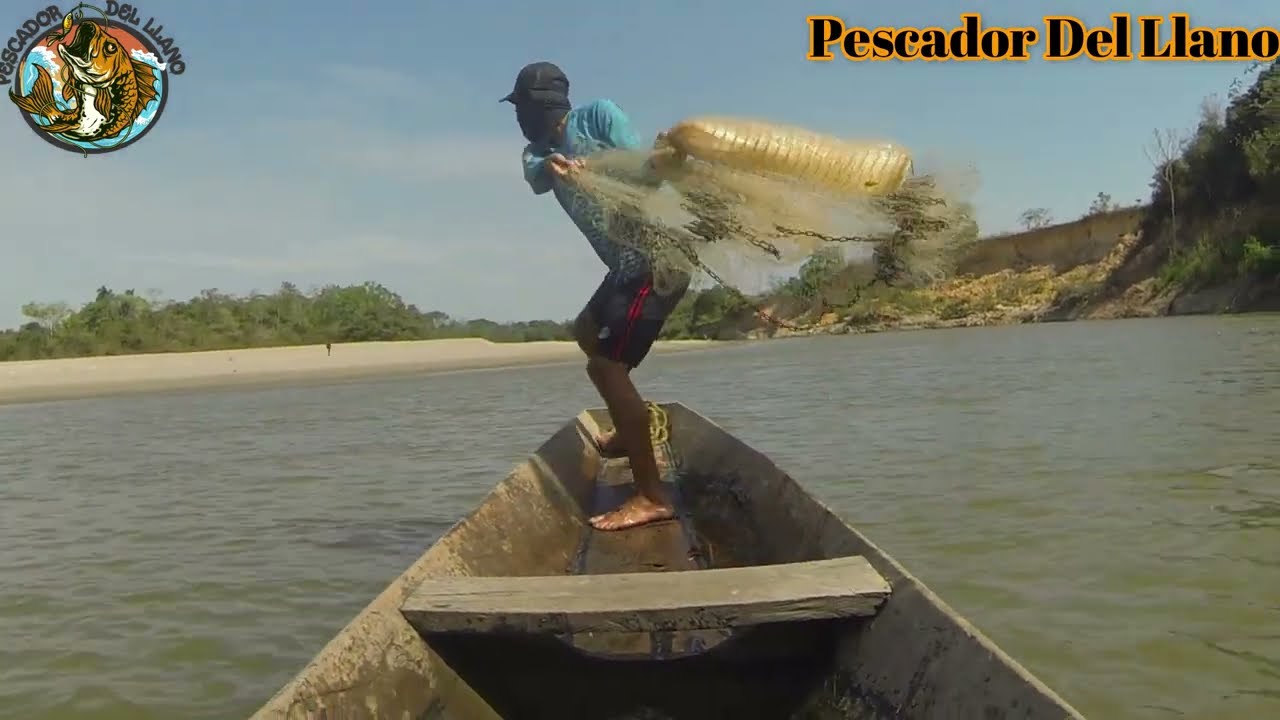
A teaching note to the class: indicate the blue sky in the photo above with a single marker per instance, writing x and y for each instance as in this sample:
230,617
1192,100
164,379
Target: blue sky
340,142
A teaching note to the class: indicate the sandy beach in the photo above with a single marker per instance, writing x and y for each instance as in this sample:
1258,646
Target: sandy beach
39,380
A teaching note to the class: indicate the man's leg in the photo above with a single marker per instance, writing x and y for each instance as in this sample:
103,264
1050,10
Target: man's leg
631,418
630,318
586,331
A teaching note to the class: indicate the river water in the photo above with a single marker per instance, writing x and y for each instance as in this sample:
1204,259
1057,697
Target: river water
1103,499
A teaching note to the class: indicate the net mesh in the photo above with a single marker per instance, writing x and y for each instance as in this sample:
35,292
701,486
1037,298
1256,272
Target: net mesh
744,229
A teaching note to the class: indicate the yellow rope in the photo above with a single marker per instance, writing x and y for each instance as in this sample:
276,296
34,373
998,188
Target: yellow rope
659,425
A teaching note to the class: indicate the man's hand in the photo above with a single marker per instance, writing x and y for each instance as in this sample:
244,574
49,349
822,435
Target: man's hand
562,167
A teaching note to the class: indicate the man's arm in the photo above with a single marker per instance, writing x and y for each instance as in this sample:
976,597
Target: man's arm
614,128
613,125
536,172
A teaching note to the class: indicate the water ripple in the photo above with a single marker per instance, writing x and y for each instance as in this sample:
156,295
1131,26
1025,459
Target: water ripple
1099,497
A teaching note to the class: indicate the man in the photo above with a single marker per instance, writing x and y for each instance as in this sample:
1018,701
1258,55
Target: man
623,318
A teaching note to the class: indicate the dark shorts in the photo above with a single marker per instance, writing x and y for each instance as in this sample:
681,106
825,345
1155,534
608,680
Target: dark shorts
629,314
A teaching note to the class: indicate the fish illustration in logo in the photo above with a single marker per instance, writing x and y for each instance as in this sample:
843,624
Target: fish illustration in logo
105,88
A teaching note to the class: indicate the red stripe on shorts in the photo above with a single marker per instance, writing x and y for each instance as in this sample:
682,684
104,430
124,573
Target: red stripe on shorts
633,315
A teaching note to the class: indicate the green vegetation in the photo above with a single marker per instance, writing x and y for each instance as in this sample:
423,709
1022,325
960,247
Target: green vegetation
117,323
824,283
123,323
1213,218
1215,210
1209,261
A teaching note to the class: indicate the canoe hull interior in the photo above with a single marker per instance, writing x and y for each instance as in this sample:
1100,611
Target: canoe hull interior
915,658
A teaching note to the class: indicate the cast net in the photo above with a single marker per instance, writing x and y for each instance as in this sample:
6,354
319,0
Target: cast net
745,203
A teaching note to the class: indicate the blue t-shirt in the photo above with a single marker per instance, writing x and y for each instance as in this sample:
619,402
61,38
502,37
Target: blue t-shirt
597,125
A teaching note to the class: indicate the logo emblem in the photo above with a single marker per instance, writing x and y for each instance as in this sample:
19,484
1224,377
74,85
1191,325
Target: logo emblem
89,84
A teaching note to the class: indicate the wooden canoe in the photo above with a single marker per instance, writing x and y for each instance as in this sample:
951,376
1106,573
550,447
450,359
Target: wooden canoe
757,602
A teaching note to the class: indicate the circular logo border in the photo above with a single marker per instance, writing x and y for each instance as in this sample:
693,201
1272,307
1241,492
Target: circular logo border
72,147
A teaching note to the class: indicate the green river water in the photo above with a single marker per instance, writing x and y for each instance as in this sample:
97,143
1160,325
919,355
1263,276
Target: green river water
1102,499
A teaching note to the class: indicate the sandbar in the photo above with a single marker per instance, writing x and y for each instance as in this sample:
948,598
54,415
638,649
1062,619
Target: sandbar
68,378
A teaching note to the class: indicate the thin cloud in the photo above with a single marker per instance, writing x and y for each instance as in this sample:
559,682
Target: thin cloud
353,254
342,82
376,120
408,154
375,80
237,203
445,159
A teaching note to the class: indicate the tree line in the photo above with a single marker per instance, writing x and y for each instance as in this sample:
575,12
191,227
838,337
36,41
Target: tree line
126,322
1215,204
1039,217
117,323
1213,217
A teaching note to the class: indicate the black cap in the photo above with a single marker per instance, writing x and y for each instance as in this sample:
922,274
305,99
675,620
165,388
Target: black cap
539,81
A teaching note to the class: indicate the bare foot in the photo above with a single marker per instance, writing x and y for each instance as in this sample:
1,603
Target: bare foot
636,511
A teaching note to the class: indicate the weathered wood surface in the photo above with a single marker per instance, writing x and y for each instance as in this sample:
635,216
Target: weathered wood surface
658,547
914,658
640,602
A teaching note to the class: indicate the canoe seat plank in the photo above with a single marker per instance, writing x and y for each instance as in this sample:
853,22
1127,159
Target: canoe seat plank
648,601
660,547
